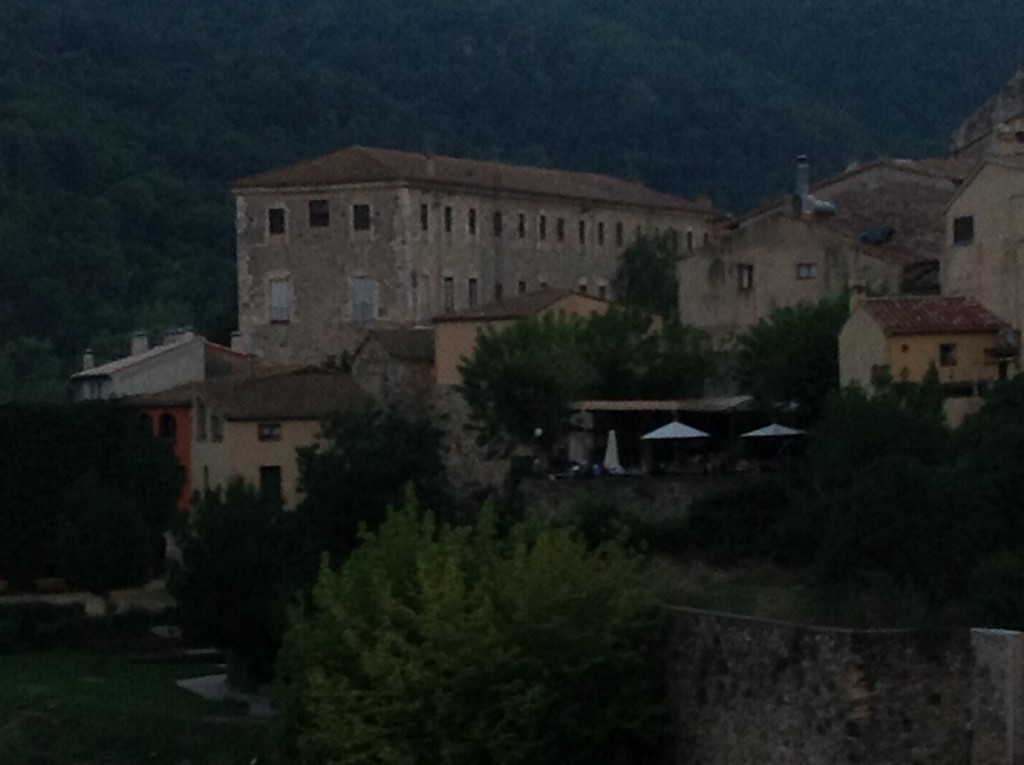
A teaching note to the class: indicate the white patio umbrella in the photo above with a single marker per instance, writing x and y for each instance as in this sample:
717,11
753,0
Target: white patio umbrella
773,431
611,454
673,431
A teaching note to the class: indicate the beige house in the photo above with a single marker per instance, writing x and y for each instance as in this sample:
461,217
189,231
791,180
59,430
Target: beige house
369,238
879,224
250,428
957,336
984,256
456,333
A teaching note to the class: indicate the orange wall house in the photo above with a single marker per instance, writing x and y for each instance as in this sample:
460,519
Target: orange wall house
174,422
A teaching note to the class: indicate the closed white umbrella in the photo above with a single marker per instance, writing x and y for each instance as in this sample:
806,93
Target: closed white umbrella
773,431
611,454
673,431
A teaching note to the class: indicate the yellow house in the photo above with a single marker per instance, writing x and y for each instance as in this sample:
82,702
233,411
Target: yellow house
957,335
250,428
455,334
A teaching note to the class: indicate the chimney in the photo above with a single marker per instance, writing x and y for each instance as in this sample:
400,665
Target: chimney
858,294
88,360
140,342
178,335
237,343
803,183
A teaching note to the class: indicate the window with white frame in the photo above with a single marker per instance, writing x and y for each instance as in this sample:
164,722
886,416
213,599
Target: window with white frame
280,302
364,300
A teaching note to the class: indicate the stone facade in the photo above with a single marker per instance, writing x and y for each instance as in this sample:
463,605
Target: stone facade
369,238
750,691
985,240
997,127
790,251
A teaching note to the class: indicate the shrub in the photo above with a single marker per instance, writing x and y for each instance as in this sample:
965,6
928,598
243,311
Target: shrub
739,523
40,626
238,557
434,644
997,591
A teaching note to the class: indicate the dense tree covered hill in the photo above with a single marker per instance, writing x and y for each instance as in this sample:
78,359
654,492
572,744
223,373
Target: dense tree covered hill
123,121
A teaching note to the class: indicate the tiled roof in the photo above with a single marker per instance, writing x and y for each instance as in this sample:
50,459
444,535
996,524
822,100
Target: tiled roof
930,315
360,164
413,345
309,394
119,365
219,359
515,306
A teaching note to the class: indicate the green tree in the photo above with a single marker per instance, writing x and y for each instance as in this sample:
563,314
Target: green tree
646,276
240,555
793,354
361,466
524,377
433,644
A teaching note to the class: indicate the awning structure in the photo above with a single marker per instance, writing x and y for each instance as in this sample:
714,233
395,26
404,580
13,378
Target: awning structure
719,404
773,431
673,431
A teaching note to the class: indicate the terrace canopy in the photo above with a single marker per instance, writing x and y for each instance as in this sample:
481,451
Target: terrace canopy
674,431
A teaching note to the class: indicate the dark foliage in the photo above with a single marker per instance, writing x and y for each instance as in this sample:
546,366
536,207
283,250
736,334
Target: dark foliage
742,523
68,472
646,276
240,558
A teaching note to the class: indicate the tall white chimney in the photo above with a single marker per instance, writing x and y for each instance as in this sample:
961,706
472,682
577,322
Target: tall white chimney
803,183
88,360
140,342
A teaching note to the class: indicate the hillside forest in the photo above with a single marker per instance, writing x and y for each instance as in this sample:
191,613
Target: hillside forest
123,123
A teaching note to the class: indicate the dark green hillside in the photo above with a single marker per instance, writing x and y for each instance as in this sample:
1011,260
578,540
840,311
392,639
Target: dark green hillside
123,121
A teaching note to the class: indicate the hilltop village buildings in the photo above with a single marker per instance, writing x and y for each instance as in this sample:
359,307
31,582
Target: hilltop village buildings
381,263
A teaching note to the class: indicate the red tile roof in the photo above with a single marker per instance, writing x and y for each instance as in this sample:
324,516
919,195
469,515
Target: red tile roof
360,164
930,315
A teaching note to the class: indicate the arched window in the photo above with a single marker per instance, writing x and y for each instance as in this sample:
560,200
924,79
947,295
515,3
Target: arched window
168,426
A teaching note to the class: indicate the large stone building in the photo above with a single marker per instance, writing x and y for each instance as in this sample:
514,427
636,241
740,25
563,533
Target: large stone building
996,129
369,238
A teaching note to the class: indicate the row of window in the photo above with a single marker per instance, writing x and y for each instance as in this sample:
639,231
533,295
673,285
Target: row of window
473,290
320,217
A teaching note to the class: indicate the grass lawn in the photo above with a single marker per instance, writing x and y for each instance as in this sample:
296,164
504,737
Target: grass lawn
82,709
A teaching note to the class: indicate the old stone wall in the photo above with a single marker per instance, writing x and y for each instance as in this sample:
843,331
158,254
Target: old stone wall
750,691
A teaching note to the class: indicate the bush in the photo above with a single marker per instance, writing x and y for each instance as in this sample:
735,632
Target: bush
28,627
434,644
997,591
239,555
741,523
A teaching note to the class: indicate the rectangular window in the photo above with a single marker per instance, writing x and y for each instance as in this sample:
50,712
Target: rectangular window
275,220
602,291
689,241
807,271
673,239
522,286
746,276
542,227
619,235
216,428
706,238
448,219
268,431
560,229
582,228
473,293
963,229
424,217
600,232
499,291
449,294
319,213
361,217
947,354
497,223
280,301
522,226
270,484
583,286
364,300
471,221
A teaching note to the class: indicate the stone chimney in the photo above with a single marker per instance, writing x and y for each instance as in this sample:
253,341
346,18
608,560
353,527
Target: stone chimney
803,184
237,342
88,360
858,294
140,342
